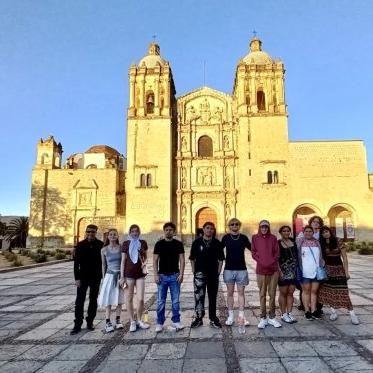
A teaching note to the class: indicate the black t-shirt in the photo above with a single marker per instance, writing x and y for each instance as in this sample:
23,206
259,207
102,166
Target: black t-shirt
206,255
87,260
168,252
235,251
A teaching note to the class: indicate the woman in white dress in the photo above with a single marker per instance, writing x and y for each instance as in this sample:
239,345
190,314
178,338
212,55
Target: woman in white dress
111,293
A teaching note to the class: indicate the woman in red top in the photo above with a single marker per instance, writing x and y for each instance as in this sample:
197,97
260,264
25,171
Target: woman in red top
132,274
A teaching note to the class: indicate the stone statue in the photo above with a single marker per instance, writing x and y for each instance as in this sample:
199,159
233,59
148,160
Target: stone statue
183,143
190,114
226,142
205,111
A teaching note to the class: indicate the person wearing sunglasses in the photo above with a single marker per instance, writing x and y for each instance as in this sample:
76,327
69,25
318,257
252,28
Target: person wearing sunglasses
88,274
235,271
206,258
266,253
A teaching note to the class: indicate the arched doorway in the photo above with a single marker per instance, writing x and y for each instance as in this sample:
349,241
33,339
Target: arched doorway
205,214
342,222
301,216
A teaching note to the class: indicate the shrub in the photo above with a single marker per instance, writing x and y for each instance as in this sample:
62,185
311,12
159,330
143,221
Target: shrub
40,251
24,252
60,255
17,262
366,248
39,257
68,252
9,255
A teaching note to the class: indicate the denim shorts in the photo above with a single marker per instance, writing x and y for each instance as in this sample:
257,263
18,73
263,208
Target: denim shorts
306,280
236,277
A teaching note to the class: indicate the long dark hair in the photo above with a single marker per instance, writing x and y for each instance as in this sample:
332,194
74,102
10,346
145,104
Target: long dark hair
333,242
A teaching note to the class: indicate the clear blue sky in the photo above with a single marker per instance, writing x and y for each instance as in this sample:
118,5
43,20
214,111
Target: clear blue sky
64,65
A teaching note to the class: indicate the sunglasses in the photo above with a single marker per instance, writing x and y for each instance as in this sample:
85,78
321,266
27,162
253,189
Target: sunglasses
90,231
234,225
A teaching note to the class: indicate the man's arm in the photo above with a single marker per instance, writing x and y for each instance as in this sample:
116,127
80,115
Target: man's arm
103,262
182,267
77,266
155,268
220,265
122,280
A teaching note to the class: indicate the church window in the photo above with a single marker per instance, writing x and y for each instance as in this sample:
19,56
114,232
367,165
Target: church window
261,101
249,172
275,177
148,180
150,102
161,102
142,180
275,104
45,158
205,148
269,177
248,99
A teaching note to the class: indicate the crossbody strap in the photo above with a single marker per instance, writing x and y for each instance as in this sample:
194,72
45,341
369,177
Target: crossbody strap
313,255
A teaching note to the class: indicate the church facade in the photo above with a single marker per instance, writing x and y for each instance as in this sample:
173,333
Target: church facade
202,156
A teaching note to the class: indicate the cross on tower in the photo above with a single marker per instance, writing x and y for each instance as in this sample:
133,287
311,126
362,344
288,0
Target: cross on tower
154,37
254,33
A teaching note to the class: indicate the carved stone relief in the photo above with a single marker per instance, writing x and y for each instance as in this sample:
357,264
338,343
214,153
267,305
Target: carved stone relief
206,176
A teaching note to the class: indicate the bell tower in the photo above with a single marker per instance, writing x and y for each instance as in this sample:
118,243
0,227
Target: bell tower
151,131
49,154
261,116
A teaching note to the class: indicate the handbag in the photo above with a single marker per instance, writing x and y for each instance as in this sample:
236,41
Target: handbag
321,274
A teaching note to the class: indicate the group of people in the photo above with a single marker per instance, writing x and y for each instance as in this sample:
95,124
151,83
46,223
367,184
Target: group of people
315,262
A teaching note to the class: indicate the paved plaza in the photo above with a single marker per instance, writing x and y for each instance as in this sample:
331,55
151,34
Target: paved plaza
36,316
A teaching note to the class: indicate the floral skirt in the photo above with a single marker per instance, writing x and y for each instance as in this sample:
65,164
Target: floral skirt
334,291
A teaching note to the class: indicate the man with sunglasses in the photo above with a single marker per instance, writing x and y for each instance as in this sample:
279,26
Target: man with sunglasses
235,271
88,274
206,258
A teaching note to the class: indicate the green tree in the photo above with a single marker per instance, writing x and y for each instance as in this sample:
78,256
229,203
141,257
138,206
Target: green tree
17,231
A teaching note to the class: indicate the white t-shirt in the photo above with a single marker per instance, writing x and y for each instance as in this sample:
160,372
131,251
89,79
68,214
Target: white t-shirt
310,262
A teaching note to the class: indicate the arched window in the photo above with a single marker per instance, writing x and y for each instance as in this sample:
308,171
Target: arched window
142,180
269,177
150,102
205,148
92,165
247,99
275,177
45,158
275,108
261,100
148,180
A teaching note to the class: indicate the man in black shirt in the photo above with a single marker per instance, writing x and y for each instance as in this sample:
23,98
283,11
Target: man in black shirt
168,255
235,271
88,274
206,258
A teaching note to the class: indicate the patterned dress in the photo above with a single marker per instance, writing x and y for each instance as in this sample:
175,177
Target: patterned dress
334,291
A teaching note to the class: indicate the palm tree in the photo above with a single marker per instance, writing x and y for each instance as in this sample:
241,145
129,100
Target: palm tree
16,232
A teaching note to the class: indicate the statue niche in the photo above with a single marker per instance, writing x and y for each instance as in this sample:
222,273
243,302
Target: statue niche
206,176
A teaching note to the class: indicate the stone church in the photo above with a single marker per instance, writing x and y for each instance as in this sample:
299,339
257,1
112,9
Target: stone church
205,155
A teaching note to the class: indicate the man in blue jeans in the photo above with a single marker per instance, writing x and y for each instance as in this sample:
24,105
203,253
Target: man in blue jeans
168,257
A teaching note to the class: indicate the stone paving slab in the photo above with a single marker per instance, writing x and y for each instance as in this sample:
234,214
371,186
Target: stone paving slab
36,316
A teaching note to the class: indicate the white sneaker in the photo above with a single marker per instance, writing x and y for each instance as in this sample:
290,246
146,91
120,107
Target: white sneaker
229,320
285,317
355,320
133,326
292,318
109,327
158,328
333,316
143,325
118,325
274,322
177,325
263,323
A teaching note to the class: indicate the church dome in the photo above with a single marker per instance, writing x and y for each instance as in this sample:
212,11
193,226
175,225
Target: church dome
153,58
256,56
107,150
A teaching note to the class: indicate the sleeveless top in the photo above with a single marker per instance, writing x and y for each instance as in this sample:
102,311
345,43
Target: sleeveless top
113,259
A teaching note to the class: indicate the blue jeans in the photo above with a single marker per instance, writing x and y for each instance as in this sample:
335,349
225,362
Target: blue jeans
166,282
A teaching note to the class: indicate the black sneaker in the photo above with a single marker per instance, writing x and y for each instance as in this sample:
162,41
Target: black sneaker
75,330
316,315
215,323
300,307
308,316
196,323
